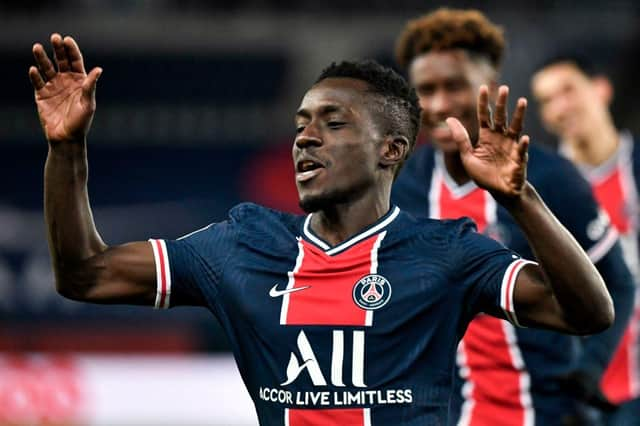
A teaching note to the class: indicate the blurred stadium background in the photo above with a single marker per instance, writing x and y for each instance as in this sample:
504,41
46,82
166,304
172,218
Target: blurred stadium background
195,113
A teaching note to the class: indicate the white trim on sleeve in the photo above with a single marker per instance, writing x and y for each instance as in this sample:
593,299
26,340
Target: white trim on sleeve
602,247
507,288
163,274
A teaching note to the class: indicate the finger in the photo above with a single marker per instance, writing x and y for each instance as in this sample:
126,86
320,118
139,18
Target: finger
59,52
460,135
517,122
36,79
89,85
484,113
42,62
500,117
523,147
74,55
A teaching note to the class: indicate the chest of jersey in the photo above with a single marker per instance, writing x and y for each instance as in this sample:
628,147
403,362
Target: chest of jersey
450,201
344,330
613,192
361,287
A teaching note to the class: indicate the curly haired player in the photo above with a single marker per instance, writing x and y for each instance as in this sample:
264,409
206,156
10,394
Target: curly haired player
506,375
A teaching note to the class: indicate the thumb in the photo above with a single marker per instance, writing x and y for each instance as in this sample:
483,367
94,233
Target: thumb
89,85
460,135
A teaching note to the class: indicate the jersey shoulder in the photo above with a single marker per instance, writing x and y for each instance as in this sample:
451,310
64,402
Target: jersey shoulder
555,177
420,161
256,224
545,164
410,189
423,233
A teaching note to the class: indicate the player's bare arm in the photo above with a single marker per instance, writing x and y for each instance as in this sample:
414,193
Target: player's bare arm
565,292
85,267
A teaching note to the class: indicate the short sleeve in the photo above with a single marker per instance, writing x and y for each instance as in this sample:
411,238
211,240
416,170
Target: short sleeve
488,270
189,269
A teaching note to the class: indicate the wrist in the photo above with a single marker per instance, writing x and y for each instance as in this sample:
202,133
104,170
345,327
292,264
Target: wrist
515,203
70,156
71,140
67,147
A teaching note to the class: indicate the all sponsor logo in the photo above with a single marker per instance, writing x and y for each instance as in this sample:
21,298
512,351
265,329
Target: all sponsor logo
353,393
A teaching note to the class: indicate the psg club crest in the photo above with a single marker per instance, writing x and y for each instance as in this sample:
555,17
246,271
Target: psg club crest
372,292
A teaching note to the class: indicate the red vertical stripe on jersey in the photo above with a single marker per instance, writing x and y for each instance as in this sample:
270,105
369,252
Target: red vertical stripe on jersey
328,300
163,274
610,194
338,417
617,381
496,383
472,205
495,390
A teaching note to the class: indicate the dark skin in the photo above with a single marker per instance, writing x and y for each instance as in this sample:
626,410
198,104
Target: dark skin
447,84
331,125
337,131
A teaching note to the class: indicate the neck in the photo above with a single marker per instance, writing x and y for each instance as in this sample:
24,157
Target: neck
456,170
595,148
343,220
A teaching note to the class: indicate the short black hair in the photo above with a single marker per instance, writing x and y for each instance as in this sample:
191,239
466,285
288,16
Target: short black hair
399,109
579,59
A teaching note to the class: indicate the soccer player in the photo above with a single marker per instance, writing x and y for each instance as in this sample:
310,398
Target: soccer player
351,314
574,99
508,375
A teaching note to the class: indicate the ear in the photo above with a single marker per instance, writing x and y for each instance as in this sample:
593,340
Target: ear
394,150
603,88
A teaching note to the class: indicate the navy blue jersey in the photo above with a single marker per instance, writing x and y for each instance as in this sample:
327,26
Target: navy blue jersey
615,185
515,374
361,333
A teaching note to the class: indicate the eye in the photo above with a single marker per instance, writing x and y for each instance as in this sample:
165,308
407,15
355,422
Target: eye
426,90
455,85
299,128
335,124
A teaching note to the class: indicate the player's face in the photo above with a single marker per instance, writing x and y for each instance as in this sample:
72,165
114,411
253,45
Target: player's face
447,84
335,153
567,100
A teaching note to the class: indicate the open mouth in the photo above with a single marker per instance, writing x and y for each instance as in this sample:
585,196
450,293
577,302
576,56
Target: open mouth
307,169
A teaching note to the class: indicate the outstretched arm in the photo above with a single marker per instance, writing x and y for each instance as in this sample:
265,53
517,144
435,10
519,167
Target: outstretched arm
85,267
565,292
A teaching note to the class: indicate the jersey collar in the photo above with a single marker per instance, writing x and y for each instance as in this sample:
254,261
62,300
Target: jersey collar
620,158
375,227
457,191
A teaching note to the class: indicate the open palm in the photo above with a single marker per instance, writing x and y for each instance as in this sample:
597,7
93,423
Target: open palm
498,161
65,97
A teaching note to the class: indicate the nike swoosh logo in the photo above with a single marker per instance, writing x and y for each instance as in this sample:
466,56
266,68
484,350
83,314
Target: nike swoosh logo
274,292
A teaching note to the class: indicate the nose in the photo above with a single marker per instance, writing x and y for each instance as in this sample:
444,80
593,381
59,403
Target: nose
309,136
438,104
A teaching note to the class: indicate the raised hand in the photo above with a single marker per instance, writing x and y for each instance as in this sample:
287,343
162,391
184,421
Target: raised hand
65,96
498,161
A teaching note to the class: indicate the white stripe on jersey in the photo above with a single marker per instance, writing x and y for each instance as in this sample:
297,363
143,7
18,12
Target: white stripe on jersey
507,289
163,274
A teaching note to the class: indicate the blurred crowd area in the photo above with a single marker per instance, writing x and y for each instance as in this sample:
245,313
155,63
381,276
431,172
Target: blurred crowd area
195,114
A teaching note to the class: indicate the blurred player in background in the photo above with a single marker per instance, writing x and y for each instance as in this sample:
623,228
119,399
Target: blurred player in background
508,376
574,105
352,314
